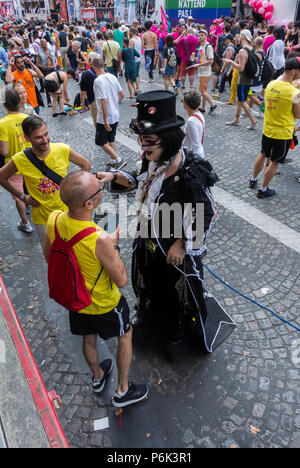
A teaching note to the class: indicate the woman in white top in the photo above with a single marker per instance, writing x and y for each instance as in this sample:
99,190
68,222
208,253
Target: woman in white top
98,44
276,52
194,131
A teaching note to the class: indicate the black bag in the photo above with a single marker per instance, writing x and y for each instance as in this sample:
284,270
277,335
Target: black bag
41,166
39,97
115,62
253,64
267,73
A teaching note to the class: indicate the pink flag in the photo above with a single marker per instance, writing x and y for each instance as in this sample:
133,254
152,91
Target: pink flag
164,20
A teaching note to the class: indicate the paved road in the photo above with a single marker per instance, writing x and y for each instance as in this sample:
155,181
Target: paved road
247,393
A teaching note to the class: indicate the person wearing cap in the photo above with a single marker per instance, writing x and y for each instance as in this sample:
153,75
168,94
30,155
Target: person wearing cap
244,82
190,21
282,108
163,251
229,53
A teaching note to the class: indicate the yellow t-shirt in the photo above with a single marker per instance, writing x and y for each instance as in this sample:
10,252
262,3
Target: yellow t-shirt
279,119
111,49
105,295
40,187
12,132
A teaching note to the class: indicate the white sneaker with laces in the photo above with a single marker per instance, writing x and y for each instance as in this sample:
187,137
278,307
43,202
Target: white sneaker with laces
25,227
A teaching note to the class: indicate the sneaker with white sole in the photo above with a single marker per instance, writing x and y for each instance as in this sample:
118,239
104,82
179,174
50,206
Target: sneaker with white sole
106,366
266,193
135,393
25,227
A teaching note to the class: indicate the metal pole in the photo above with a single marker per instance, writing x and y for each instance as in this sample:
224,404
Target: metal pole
238,7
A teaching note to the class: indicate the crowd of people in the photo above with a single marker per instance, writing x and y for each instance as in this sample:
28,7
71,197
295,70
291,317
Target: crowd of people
261,65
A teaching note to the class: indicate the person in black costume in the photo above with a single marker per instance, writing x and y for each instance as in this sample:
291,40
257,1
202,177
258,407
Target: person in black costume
167,273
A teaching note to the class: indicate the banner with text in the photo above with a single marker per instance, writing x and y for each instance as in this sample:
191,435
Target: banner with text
202,11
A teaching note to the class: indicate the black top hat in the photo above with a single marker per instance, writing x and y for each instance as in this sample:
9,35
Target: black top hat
156,112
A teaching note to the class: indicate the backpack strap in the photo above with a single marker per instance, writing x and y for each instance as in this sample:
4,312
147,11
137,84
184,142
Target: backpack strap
81,235
42,167
199,118
78,237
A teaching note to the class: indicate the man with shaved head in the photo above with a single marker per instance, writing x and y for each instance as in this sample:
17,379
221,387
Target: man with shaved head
103,271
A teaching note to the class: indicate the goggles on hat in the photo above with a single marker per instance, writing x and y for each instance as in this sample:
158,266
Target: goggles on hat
142,126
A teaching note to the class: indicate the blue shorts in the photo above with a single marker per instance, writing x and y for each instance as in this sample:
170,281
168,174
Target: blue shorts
170,71
242,92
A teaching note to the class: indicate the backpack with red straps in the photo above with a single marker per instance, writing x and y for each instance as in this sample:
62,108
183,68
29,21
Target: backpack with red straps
66,283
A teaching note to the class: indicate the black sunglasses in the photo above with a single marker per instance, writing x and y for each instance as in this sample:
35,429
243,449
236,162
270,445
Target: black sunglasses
92,196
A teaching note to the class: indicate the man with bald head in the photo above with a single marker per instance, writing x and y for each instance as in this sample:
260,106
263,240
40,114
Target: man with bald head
104,272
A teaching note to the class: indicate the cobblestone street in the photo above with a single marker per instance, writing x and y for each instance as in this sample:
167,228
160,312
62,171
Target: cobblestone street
247,393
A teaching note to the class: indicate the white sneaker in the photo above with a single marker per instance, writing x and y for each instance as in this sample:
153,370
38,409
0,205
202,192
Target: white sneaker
25,227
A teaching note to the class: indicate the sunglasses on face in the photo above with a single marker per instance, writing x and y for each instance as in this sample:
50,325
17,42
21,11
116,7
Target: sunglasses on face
92,196
147,143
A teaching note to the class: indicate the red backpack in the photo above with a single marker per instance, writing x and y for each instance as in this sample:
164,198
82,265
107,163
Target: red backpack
66,283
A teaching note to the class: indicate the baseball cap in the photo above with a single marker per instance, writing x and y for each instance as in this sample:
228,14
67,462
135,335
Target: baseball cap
190,18
181,21
247,34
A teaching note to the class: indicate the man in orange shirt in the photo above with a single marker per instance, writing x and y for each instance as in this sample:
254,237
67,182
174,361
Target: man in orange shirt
25,76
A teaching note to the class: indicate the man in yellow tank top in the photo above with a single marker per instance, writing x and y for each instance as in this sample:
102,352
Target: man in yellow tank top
104,272
282,108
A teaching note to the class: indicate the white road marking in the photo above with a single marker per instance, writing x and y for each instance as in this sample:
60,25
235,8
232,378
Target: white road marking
252,215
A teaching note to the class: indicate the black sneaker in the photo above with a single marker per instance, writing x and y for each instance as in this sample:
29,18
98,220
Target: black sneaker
135,393
106,366
265,194
212,109
252,183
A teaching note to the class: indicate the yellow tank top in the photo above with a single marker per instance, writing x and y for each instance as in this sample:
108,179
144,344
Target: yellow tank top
105,294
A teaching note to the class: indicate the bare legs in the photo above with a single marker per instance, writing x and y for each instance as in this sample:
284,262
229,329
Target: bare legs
123,358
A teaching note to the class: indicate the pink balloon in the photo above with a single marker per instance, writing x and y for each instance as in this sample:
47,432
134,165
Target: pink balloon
250,3
270,8
255,10
261,11
268,16
259,5
254,3
265,3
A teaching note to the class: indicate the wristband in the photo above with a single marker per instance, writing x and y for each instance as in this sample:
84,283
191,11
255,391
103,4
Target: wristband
22,196
115,175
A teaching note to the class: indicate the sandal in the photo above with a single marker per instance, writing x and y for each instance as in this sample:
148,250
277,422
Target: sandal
232,124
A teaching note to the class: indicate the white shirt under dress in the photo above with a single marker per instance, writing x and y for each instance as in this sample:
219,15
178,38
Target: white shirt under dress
194,132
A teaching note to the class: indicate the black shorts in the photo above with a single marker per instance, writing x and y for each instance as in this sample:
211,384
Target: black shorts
178,62
113,323
51,86
242,92
103,136
277,150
